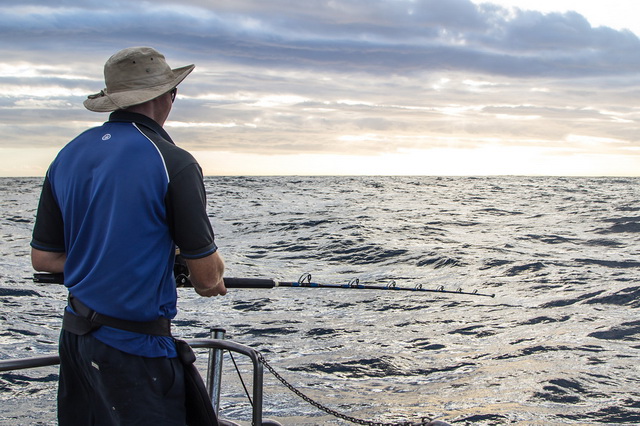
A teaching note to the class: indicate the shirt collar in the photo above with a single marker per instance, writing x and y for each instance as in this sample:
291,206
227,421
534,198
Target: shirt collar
134,117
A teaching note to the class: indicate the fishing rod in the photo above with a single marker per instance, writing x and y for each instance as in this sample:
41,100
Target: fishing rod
305,281
182,280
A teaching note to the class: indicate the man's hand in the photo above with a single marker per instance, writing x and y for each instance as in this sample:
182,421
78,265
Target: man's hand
218,290
206,275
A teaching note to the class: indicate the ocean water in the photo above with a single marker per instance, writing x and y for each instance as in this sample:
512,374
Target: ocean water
559,343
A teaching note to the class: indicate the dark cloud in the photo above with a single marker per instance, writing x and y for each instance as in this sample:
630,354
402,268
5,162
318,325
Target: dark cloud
361,35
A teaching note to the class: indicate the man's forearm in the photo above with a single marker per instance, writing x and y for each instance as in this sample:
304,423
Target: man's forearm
48,261
206,275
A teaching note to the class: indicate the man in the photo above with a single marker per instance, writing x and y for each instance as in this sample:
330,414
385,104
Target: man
115,204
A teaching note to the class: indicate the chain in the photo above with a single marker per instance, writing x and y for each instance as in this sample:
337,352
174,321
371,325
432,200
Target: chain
424,421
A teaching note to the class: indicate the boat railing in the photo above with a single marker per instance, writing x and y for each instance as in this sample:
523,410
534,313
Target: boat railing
216,347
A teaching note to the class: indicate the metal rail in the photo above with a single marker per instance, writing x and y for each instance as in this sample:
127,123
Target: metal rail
214,372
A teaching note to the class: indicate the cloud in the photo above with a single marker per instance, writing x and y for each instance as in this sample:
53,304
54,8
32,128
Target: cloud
322,76
371,36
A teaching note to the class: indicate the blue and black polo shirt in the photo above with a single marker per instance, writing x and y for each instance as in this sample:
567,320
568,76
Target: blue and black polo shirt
118,199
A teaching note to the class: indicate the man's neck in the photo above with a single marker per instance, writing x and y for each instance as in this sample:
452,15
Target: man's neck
156,109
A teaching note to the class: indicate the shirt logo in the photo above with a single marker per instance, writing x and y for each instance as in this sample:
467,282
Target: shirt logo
106,137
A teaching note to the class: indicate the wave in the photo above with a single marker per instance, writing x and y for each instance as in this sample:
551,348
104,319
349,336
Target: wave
625,331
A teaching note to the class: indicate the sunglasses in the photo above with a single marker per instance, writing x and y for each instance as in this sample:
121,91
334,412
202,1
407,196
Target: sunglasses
174,91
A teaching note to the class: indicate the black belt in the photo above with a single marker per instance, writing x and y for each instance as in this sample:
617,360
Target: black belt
88,320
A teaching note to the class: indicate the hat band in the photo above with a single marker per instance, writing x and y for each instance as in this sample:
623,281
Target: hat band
143,83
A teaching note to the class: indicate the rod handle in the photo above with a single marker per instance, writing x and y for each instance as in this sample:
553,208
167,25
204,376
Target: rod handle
249,283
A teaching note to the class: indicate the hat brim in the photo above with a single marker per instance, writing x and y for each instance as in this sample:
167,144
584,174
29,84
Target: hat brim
107,102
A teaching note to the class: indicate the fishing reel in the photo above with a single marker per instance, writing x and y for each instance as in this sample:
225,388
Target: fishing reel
181,271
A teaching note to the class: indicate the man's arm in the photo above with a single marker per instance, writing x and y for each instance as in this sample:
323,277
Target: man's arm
48,261
206,275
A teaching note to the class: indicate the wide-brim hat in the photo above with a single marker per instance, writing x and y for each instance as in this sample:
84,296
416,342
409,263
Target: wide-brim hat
134,76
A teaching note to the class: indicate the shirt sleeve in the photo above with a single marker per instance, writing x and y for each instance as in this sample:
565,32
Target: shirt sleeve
187,214
48,232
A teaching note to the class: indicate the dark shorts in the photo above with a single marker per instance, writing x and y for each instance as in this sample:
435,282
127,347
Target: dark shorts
100,385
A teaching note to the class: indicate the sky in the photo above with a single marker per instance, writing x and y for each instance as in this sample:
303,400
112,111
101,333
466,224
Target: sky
342,87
